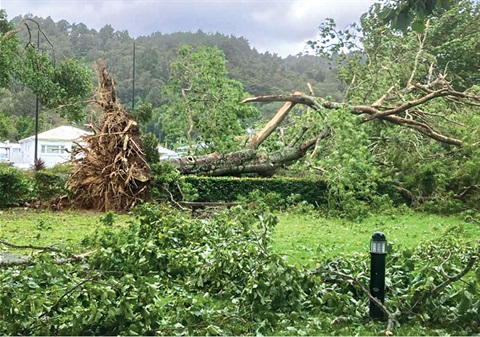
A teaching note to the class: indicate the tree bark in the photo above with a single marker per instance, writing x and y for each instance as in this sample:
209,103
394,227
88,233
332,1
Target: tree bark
267,130
371,112
245,161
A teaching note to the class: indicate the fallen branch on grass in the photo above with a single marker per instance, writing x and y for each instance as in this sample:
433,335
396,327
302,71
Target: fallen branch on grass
21,260
13,245
449,280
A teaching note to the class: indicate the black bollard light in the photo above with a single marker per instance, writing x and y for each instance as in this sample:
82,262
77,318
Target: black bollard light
378,251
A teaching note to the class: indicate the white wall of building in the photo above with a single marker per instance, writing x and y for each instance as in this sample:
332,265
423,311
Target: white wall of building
10,152
51,152
54,146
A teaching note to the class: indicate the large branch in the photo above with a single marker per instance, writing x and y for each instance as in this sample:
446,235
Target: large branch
372,112
13,245
390,317
267,130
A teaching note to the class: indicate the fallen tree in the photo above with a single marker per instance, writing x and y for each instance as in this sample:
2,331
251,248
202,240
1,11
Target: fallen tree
404,109
113,173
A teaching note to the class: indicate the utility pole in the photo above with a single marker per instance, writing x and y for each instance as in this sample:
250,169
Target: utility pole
35,157
133,76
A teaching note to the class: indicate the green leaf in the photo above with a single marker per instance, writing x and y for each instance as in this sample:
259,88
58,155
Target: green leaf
464,304
418,26
445,4
402,21
385,14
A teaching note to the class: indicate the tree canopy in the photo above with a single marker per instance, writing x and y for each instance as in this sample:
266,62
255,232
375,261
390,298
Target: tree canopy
61,87
202,103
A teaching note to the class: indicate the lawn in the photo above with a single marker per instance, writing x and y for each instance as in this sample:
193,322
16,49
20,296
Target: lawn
305,239
25,226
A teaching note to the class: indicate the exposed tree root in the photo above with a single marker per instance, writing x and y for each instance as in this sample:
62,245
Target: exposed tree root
111,171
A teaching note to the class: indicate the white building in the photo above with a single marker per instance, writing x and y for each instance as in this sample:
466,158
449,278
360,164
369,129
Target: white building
54,146
10,153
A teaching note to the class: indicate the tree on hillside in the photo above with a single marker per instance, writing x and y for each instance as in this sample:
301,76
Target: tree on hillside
63,86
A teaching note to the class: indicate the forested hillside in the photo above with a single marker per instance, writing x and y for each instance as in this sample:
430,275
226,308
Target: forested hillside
260,73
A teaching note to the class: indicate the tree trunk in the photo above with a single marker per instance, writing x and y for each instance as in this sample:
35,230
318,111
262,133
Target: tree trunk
245,161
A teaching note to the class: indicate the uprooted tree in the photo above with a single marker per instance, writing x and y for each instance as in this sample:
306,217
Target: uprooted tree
406,113
111,173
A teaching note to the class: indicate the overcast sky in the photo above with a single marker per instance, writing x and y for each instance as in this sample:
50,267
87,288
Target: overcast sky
281,26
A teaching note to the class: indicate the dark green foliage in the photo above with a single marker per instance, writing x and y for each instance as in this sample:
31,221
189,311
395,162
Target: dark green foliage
169,274
405,14
15,186
8,46
4,126
454,38
50,183
169,184
150,143
230,188
202,104
143,113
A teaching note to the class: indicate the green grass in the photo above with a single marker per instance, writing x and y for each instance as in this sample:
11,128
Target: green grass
24,226
307,239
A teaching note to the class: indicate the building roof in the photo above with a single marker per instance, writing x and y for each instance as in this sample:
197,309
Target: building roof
8,145
60,133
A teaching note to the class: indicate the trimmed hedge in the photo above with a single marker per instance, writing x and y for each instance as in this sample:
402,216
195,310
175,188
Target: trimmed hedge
230,188
15,186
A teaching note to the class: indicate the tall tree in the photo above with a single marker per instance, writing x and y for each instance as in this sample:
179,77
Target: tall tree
202,103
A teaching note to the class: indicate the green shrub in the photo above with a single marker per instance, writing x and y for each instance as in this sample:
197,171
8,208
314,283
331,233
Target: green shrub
230,188
169,184
15,186
51,182
262,201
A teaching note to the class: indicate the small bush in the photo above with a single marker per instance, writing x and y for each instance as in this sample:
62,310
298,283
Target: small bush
51,182
15,186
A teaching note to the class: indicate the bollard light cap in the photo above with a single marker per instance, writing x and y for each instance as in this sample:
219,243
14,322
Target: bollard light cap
378,243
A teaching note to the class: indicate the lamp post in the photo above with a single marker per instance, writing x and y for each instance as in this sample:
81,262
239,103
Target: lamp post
378,251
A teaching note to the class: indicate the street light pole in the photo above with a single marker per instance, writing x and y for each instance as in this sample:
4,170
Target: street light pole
378,251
